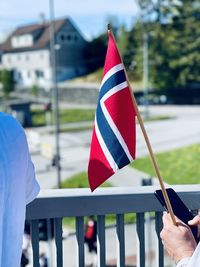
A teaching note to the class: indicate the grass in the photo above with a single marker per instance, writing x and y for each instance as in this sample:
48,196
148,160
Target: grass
75,129
180,166
156,118
75,115
96,77
65,116
80,180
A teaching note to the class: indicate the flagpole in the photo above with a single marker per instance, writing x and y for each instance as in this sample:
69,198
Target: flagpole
153,159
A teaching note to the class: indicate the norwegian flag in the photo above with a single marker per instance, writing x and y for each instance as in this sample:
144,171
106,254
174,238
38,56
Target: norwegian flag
114,134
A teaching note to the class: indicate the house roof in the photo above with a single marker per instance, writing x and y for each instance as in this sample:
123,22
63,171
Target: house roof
42,40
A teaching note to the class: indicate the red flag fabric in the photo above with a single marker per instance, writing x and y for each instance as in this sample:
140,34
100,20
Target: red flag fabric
114,135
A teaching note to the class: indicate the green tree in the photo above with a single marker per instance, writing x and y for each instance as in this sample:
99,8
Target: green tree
185,47
6,79
95,52
175,43
122,41
133,54
35,89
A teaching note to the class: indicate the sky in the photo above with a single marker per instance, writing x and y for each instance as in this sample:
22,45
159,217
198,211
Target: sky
88,15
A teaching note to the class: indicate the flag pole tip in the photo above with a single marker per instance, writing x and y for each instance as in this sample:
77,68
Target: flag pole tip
109,26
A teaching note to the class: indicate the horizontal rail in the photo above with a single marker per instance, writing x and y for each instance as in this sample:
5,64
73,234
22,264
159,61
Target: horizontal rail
58,203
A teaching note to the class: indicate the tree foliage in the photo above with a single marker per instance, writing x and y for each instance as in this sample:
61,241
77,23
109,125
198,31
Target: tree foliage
6,79
94,57
176,47
173,29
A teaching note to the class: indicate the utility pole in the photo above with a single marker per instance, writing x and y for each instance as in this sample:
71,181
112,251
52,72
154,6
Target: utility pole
54,92
145,36
145,72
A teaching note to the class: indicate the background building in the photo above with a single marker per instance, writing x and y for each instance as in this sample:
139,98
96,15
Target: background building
26,52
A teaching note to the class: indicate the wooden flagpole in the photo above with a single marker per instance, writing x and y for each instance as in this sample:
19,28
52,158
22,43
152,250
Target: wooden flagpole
153,159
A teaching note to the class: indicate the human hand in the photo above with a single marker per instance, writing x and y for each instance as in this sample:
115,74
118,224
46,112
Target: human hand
178,239
195,222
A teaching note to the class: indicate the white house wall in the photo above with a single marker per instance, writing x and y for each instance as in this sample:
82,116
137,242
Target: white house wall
22,41
38,59
33,67
27,65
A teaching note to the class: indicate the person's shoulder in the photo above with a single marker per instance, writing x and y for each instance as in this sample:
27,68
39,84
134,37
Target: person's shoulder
9,126
9,120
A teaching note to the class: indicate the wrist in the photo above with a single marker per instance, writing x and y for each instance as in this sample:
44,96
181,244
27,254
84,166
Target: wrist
182,253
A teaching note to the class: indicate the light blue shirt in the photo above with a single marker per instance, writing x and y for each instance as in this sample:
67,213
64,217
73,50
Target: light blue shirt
18,187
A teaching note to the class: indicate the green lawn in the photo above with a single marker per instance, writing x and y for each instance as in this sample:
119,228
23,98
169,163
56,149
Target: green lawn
65,116
74,115
80,180
180,166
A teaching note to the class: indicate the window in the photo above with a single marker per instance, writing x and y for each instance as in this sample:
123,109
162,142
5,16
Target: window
19,75
39,74
64,37
68,37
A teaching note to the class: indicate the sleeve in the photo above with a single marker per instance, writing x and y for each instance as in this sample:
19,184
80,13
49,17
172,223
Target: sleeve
32,186
191,261
183,262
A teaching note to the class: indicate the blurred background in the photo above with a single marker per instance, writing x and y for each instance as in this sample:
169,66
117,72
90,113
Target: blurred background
51,63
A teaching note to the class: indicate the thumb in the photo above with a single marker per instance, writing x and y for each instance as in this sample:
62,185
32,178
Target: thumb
195,220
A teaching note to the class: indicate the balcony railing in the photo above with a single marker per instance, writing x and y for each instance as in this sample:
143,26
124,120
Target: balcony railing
78,203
